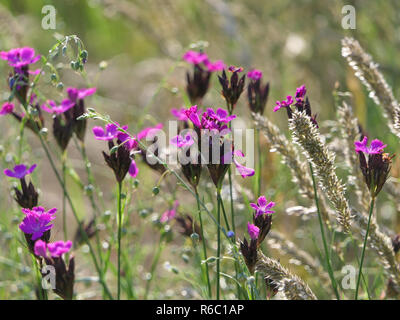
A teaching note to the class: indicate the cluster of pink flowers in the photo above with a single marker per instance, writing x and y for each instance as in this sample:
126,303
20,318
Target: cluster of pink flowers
56,249
198,58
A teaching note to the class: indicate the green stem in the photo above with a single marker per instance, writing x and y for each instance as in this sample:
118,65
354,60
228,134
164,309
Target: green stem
371,209
204,246
218,240
64,204
120,213
259,164
328,260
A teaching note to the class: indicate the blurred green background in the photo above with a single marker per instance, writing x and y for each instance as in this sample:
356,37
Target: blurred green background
292,42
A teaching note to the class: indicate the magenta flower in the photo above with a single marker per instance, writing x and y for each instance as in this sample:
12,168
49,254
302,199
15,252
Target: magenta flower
149,132
244,171
179,114
133,169
376,146
253,231
193,114
20,171
214,66
51,107
19,57
282,104
109,133
254,74
36,221
301,93
262,206
75,94
221,115
6,108
126,140
195,57
182,142
40,248
169,214
56,249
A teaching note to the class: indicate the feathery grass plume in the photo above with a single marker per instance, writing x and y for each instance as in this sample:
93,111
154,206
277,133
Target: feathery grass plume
290,157
350,132
367,71
382,245
289,284
307,136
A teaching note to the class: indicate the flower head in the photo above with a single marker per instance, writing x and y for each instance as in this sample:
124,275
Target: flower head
214,66
376,168
36,221
6,108
58,248
376,146
244,171
133,169
262,206
169,214
149,132
254,74
230,234
285,103
75,94
109,133
182,142
20,171
20,57
195,57
253,231
51,107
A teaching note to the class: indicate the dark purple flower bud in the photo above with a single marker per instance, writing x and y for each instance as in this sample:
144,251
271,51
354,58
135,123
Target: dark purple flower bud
232,88
118,160
27,197
197,84
63,130
257,96
249,252
376,169
263,222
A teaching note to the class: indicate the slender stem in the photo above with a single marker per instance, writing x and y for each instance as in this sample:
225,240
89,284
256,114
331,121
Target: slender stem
42,293
259,163
371,209
154,265
204,246
120,213
97,212
64,203
327,257
218,240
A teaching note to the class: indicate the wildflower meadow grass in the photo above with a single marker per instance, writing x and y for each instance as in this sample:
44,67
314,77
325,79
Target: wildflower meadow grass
223,178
